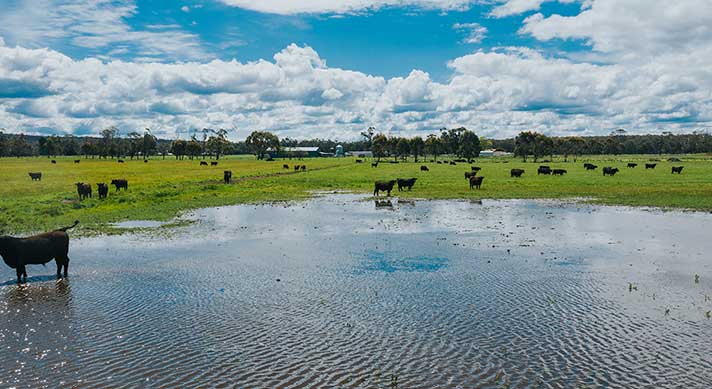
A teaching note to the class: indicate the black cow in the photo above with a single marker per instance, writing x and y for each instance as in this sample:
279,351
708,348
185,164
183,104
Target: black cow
120,161
380,186
677,169
650,166
84,190
213,163
120,183
439,162
516,172
543,170
285,166
54,162
37,250
145,161
77,161
227,176
590,166
406,183
203,163
475,168
296,168
424,168
359,161
610,171
469,175
476,181
374,164
632,165
559,172
303,168
452,163
103,190
36,176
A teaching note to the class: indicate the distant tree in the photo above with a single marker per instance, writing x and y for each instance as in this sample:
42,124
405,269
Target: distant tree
20,147
368,136
469,145
163,149
403,148
217,143
450,139
432,146
108,145
379,146
134,143
194,148
3,144
149,143
179,148
89,147
417,147
70,146
260,141
532,143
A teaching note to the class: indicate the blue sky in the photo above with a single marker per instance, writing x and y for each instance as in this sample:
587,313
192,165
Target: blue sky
330,68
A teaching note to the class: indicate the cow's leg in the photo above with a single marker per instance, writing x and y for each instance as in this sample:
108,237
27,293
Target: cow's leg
18,271
59,267
66,266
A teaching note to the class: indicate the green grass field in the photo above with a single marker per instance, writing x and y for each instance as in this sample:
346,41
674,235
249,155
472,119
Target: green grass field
161,189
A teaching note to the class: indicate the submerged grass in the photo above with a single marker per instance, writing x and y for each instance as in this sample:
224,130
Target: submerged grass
162,189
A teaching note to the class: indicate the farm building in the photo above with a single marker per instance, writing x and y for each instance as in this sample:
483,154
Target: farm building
494,153
295,152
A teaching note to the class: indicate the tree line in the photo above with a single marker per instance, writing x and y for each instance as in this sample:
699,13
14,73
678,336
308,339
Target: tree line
459,142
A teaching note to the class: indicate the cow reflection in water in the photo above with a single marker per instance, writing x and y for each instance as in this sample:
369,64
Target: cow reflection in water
383,203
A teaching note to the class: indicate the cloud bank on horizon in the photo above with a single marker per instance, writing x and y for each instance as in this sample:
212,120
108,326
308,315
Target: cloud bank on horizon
71,66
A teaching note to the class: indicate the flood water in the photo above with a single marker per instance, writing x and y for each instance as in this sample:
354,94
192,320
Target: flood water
337,291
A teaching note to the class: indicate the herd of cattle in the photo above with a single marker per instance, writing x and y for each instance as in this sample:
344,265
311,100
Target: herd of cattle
85,190
476,181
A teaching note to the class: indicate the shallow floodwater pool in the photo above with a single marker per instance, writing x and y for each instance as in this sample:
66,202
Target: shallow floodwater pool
337,291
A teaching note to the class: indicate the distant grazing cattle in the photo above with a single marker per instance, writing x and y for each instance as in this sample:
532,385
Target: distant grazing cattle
84,190
383,186
120,161
203,163
213,163
516,172
103,190
610,171
270,159
36,250
650,166
469,175
461,160
632,165
393,162
77,161
303,168
296,168
374,164
285,166
475,168
227,176
432,161
559,172
145,161
36,176
424,168
677,169
543,170
54,162
590,166
120,183
476,181
439,162
359,161
453,163
406,183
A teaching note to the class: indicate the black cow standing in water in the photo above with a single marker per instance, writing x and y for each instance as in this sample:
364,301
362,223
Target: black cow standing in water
406,183
383,186
37,250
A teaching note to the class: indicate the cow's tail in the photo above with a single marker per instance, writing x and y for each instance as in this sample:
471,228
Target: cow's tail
69,227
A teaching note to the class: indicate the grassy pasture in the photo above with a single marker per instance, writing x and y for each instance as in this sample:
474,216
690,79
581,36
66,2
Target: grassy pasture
161,189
